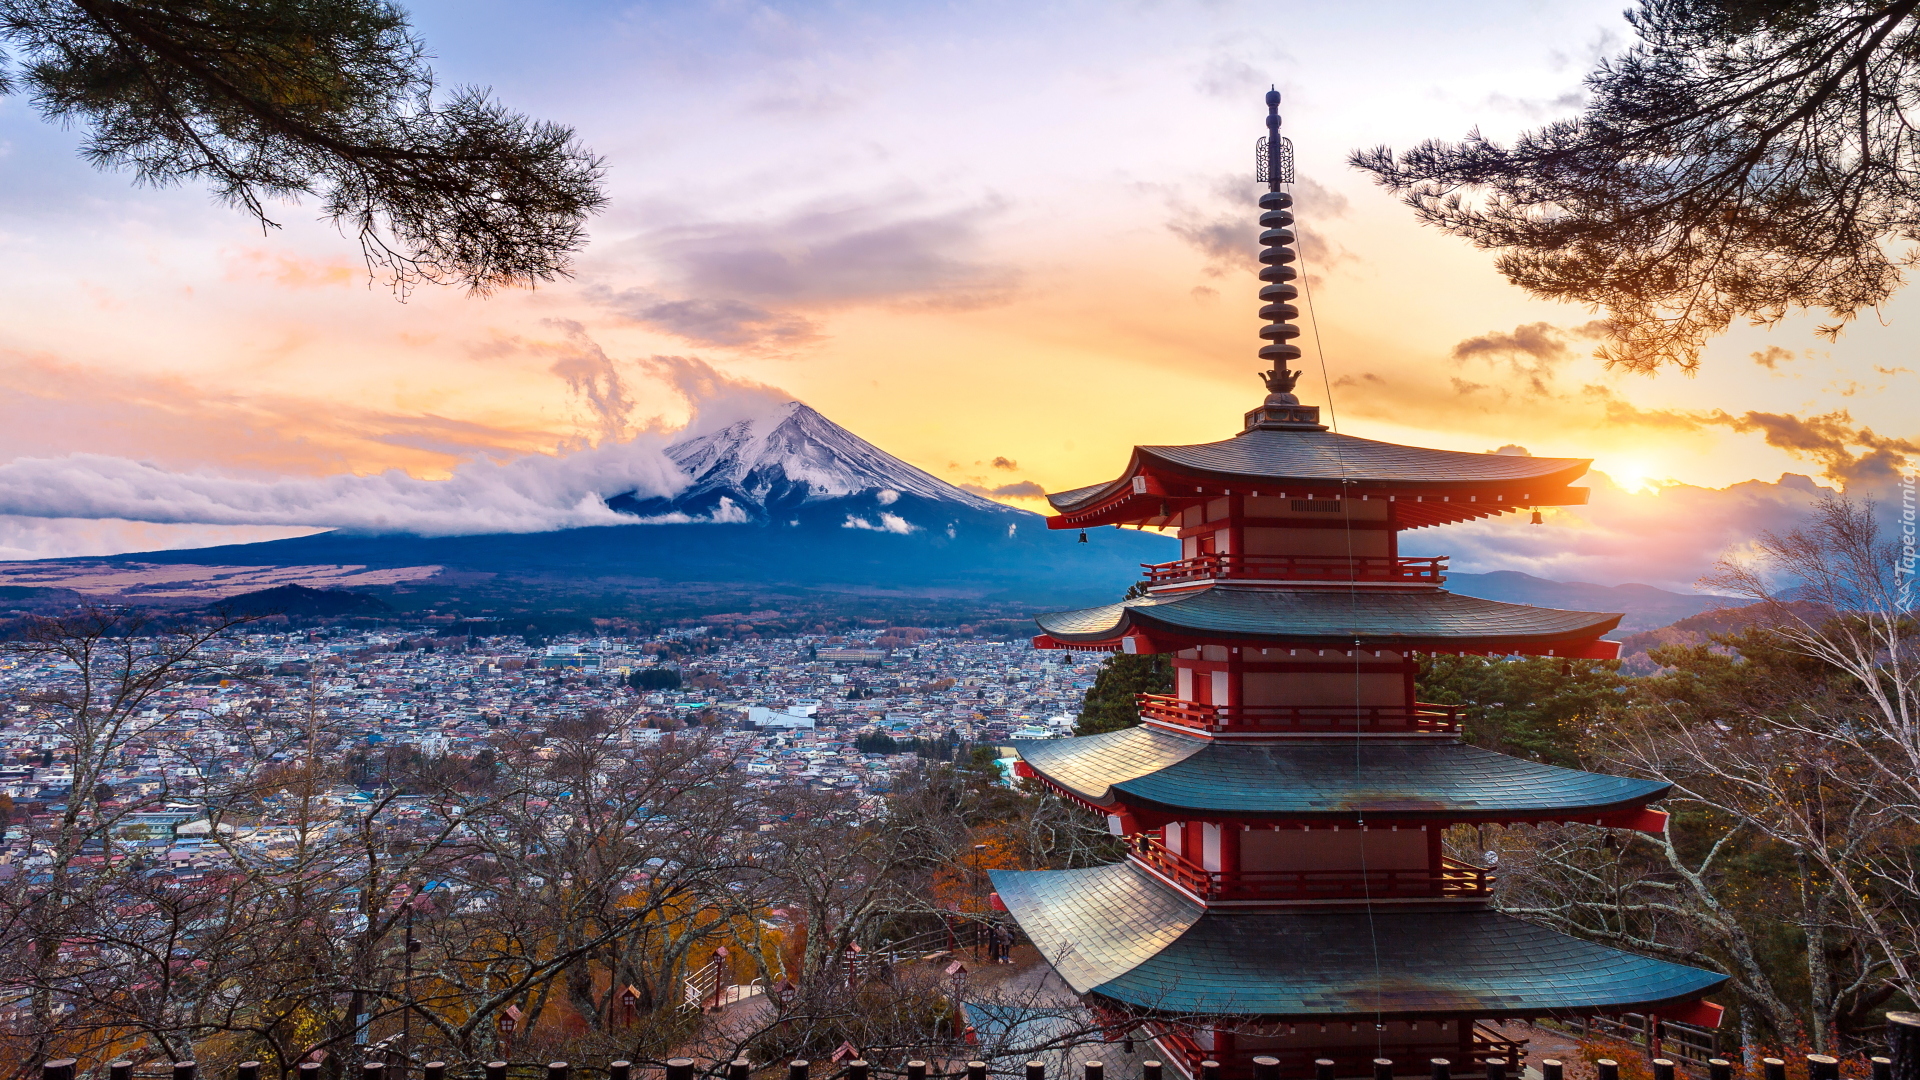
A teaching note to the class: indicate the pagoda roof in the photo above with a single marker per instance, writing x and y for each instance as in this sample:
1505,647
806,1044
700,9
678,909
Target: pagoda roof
1423,620
1316,463
1173,775
1115,932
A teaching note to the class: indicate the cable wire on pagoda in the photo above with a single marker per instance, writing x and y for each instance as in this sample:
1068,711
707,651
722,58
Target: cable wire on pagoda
1319,344
1275,168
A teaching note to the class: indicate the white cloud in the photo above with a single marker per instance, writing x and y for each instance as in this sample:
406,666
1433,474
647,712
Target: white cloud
98,504
892,523
1668,537
531,494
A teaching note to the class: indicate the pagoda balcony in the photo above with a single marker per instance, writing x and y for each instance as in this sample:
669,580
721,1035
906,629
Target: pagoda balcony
1299,569
1454,880
1423,719
1356,1061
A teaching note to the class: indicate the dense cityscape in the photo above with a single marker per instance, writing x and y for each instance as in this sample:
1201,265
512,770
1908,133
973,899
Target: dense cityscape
791,711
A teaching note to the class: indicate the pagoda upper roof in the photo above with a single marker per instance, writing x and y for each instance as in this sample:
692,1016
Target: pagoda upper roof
1175,776
1422,620
1316,463
1115,932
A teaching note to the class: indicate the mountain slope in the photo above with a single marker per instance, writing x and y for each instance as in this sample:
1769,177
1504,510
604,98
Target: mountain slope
790,500
1645,606
796,465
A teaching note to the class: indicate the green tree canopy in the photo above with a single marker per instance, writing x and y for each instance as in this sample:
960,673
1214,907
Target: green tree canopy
1109,704
1532,707
1744,160
273,99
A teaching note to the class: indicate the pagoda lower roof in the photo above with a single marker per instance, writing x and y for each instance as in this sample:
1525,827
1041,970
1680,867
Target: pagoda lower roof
1113,931
1176,776
1419,620
1303,459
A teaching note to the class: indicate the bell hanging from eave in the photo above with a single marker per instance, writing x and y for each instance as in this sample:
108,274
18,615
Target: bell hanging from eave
1083,536
1537,520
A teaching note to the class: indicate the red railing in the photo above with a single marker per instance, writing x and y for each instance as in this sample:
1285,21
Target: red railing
1301,719
1351,1060
1454,878
1328,568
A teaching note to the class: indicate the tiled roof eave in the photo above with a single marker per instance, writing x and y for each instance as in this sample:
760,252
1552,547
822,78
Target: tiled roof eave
1515,1011
1115,933
1123,796
1316,619
1159,776
1325,460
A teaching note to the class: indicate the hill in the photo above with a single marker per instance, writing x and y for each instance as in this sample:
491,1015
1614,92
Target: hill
300,602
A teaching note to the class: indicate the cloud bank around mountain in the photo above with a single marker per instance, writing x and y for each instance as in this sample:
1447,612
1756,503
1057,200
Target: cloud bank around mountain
47,503
530,494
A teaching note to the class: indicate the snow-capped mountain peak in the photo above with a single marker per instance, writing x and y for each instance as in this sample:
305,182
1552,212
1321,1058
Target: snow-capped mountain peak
772,466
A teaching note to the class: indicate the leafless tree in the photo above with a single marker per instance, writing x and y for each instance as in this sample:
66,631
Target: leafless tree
1794,755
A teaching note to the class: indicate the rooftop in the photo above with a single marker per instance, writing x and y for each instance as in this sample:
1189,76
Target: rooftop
1114,932
1326,779
1424,620
1303,463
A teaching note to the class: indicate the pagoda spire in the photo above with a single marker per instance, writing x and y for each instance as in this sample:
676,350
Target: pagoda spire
1274,167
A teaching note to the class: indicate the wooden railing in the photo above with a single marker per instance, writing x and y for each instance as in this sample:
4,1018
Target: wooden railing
1413,1058
1659,1038
1453,879
1257,719
1291,568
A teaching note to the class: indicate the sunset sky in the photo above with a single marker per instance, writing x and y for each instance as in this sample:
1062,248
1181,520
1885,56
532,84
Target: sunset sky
967,232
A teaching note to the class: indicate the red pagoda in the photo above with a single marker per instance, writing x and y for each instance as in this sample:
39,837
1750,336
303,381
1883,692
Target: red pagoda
1286,891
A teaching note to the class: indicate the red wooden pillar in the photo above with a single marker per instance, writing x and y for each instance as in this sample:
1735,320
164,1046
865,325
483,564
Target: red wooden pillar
1230,832
1237,524
1236,689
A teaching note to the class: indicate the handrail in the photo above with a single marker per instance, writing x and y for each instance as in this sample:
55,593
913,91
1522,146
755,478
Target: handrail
1349,1060
1426,571
1424,717
1454,878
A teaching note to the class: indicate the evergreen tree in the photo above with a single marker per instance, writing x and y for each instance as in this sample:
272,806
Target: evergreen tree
1109,704
876,742
1533,707
1743,160
267,99
656,678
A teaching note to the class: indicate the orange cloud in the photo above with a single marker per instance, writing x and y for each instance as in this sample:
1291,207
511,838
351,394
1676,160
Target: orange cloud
287,270
57,407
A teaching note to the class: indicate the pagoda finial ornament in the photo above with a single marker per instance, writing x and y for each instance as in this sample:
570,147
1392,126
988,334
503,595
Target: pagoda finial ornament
1273,158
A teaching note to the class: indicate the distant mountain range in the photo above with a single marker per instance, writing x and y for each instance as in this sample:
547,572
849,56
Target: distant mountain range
785,504
1645,606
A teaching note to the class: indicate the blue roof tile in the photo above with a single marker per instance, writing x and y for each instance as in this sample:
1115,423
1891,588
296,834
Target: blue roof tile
1305,778
1115,932
1376,618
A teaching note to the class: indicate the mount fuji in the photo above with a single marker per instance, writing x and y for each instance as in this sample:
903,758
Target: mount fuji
784,501
796,467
